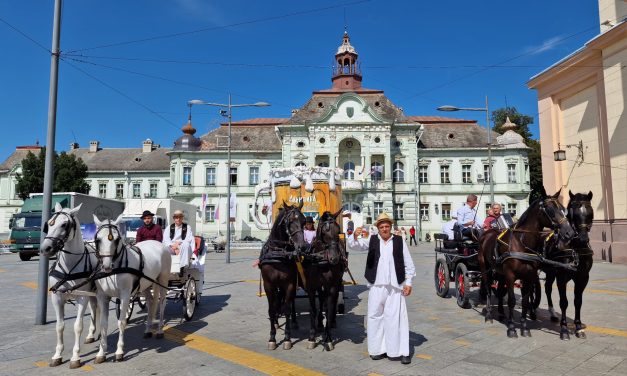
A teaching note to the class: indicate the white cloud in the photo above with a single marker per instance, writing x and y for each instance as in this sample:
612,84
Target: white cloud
547,45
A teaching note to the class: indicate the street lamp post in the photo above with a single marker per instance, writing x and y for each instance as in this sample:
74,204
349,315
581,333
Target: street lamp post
229,106
487,123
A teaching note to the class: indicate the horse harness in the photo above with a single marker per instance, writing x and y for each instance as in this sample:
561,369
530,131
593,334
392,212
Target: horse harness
276,251
532,255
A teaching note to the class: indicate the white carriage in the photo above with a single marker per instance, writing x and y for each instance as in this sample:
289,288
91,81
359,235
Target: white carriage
184,285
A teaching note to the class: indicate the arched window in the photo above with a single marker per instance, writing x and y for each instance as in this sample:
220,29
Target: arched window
399,173
376,171
349,170
301,164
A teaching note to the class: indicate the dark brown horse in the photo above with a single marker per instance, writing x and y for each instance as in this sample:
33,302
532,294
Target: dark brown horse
278,268
516,254
324,267
580,216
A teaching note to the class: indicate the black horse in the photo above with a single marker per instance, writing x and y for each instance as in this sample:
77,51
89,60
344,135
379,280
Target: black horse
278,268
580,216
514,255
324,267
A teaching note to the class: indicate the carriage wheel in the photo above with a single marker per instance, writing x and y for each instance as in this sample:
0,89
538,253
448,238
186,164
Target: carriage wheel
441,277
189,299
129,311
462,285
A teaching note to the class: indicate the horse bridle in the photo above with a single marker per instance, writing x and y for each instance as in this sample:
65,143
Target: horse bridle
109,226
326,226
284,220
69,227
583,226
546,210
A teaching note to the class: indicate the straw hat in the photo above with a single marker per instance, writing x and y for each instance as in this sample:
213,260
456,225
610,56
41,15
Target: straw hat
177,213
383,217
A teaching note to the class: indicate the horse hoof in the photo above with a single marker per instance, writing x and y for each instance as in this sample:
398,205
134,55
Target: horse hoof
311,345
581,334
329,346
511,333
271,345
100,359
119,357
147,335
287,345
554,319
56,362
74,364
565,336
159,336
525,332
488,318
90,340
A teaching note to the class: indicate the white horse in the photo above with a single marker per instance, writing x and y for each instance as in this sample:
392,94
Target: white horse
64,237
130,271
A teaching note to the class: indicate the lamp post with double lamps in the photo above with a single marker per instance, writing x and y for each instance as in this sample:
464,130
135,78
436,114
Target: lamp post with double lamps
229,106
487,124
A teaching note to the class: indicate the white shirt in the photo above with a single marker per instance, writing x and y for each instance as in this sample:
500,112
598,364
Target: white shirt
309,235
386,273
465,214
186,248
448,229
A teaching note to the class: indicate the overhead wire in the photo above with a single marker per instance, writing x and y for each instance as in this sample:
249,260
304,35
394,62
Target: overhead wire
241,23
17,30
157,114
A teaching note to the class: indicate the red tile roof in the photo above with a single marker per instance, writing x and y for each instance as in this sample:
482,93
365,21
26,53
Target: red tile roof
260,121
438,119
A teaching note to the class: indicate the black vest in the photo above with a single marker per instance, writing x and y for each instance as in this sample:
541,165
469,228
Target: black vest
173,229
374,252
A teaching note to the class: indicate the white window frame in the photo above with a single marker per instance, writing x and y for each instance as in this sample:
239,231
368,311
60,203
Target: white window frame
233,175
253,175
423,174
137,185
210,176
399,172
102,190
511,173
210,213
446,207
187,175
378,208
445,174
349,170
121,194
424,211
466,174
154,185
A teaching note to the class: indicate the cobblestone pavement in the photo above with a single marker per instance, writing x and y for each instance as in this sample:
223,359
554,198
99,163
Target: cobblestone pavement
229,332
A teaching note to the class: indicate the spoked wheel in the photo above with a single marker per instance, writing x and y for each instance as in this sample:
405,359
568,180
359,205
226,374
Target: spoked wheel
462,285
129,311
189,299
441,277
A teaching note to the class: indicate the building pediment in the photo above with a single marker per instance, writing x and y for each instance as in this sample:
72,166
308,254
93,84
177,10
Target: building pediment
349,108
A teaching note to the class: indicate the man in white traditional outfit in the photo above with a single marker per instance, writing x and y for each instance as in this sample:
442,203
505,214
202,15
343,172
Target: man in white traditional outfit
389,271
179,239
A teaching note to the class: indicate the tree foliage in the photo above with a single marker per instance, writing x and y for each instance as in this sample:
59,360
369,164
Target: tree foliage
499,116
69,174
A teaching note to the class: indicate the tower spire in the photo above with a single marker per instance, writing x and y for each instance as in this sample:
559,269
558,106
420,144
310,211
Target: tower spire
346,72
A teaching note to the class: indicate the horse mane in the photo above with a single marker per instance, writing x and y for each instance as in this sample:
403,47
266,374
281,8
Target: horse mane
526,213
275,234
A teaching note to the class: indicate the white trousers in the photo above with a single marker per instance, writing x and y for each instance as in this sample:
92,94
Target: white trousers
388,325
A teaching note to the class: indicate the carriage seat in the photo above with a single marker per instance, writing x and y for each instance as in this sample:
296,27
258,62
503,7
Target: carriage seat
446,243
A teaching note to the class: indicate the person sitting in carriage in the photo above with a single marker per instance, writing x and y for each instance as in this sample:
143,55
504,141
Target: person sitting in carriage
491,220
150,230
467,217
179,239
310,230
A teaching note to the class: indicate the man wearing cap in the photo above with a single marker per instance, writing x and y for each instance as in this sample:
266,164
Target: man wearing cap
150,230
389,271
179,238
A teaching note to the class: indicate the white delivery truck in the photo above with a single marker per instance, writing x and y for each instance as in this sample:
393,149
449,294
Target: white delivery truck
162,208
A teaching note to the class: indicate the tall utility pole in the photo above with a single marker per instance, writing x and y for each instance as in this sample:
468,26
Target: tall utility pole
42,285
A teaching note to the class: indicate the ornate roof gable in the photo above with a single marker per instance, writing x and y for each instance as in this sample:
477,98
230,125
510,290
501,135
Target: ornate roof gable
349,108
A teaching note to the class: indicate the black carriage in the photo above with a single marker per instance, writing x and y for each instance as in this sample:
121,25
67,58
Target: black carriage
456,260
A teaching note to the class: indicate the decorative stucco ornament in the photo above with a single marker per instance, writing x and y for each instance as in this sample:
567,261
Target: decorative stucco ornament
331,180
294,183
309,185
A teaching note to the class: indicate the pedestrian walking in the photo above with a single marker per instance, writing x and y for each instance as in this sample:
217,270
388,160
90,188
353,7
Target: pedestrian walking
412,235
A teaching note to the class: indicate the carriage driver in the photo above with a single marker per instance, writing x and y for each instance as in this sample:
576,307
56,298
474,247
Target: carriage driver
179,239
389,271
467,217
150,230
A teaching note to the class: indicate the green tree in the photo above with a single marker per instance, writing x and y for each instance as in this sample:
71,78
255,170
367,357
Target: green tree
522,121
69,174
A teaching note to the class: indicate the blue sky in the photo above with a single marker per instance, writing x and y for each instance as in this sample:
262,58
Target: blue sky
422,53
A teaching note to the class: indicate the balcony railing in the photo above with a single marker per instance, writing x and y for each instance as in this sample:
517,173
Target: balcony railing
352,185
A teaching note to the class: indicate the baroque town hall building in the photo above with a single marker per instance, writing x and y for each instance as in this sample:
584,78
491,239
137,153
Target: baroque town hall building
418,168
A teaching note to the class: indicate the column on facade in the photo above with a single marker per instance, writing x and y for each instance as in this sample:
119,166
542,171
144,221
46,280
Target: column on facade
366,168
388,165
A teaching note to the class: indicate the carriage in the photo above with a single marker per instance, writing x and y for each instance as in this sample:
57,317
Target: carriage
317,188
183,286
456,259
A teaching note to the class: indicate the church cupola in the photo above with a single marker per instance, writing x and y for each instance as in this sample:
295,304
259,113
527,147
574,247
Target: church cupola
346,72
